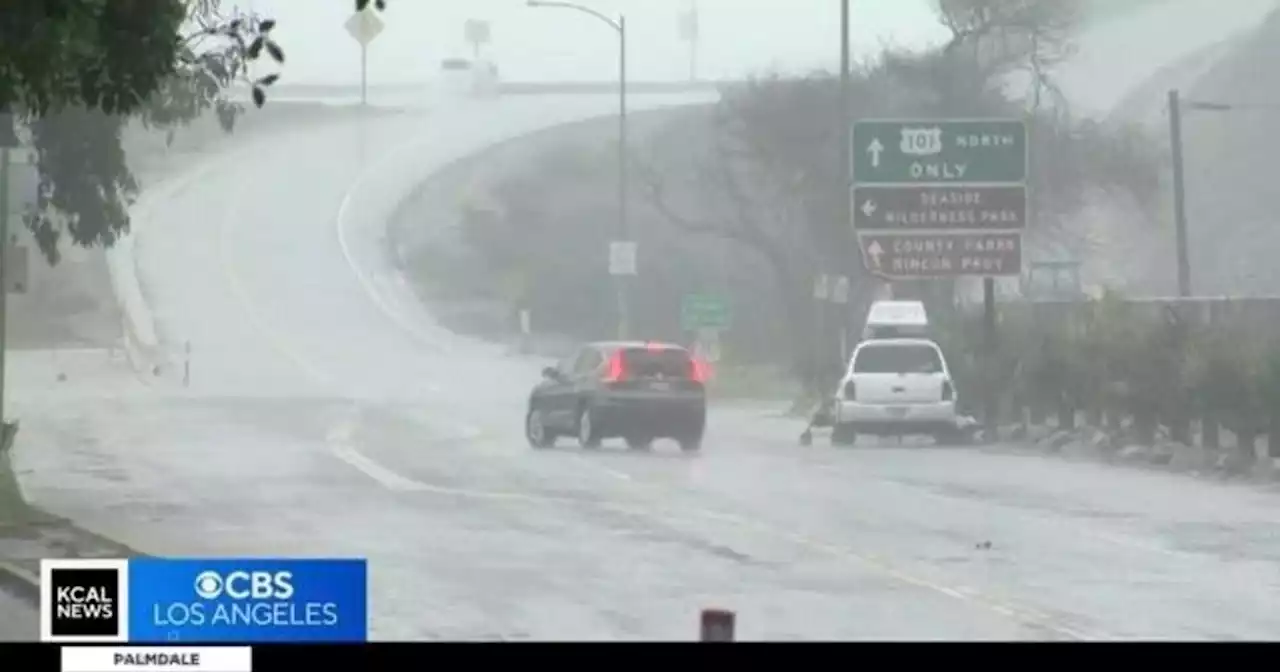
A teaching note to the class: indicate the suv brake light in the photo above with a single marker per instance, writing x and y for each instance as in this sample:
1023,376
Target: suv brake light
700,371
850,391
616,371
947,391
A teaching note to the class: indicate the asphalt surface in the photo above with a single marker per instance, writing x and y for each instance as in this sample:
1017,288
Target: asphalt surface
328,415
18,619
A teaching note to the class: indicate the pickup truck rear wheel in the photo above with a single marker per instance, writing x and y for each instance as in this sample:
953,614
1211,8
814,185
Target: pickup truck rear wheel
843,435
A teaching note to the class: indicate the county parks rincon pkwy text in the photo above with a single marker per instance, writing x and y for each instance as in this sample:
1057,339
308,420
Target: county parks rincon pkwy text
949,254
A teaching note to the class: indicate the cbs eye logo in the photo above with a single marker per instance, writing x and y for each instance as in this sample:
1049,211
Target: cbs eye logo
209,585
241,585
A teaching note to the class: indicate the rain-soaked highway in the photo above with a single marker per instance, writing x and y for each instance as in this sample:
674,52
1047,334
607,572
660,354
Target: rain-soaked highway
328,416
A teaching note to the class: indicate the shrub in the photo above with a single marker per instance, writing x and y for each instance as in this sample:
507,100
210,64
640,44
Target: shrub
1145,362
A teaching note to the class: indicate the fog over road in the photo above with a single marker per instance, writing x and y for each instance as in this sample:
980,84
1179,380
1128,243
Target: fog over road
328,415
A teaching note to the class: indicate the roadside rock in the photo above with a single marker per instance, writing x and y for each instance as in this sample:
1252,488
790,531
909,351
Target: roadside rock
1134,453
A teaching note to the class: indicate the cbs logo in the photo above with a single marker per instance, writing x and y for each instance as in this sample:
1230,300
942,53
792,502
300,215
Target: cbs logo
241,585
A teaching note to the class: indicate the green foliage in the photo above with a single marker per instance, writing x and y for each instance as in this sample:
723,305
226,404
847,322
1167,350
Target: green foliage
73,71
1134,358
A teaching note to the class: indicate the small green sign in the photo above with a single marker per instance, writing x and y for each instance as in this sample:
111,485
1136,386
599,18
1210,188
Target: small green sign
704,311
940,151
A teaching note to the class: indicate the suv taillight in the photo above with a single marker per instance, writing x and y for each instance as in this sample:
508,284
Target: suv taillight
616,371
699,371
947,391
850,391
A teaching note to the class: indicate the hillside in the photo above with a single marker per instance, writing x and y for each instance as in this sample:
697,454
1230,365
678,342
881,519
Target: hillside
1231,157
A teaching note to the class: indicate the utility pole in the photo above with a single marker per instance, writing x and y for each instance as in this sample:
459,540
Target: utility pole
8,141
1179,194
851,252
5,120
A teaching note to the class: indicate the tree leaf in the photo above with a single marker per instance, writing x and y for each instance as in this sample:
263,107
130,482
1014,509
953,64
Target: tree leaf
259,96
277,54
266,25
361,4
255,49
269,79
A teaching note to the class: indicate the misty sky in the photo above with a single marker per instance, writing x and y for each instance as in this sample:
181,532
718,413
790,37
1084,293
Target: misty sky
738,37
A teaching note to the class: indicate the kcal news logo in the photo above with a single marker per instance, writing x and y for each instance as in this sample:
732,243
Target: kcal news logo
204,600
83,600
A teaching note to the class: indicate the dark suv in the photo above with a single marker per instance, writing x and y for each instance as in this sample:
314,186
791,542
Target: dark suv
634,390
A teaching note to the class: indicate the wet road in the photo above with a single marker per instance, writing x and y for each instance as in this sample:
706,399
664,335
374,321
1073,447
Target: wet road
328,415
19,620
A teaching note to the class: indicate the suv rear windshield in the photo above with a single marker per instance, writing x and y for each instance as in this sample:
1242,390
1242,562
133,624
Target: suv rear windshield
668,363
885,358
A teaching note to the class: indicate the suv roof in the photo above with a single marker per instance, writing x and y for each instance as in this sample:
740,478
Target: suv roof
622,345
898,340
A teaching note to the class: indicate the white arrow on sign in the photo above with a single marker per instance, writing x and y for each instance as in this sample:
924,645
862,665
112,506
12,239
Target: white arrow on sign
875,252
869,207
874,150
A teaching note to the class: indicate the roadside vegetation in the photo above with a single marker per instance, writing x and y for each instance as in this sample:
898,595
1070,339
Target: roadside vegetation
1198,373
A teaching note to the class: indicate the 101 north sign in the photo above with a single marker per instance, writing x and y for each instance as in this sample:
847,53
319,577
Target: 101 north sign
940,198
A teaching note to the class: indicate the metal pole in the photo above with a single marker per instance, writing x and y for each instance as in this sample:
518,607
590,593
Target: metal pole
846,163
4,263
990,400
364,75
1179,195
624,226
693,42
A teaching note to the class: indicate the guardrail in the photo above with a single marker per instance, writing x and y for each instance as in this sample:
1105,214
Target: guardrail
327,91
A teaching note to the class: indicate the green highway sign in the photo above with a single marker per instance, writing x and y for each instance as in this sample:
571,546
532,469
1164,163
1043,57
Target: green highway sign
970,152
704,311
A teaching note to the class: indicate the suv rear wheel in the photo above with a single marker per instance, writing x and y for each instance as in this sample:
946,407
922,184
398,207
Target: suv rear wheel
639,442
843,435
690,444
588,433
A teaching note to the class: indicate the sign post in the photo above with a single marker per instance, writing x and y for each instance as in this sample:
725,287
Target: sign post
477,34
364,26
622,263
943,199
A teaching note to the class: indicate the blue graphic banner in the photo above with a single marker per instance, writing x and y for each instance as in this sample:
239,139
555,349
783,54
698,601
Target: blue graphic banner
247,600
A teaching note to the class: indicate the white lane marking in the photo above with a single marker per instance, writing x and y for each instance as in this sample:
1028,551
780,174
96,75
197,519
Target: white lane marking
340,224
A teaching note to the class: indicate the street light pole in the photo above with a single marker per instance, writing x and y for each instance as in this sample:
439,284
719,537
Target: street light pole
1179,195
624,224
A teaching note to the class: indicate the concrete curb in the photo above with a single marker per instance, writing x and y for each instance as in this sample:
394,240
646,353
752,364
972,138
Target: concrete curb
20,582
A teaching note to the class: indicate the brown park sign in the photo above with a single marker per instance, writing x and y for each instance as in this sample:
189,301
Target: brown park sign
942,255
939,207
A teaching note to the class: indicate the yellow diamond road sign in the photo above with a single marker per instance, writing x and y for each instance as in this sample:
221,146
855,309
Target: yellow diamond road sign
365,26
